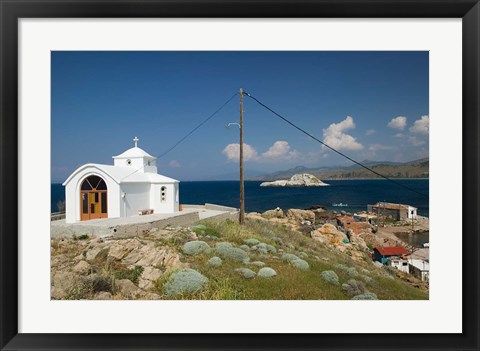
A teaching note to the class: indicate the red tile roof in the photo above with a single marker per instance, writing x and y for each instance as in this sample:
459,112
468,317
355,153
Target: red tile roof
392,250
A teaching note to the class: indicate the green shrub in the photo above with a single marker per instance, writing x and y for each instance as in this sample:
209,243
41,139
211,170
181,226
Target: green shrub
245,248
215,262
354,287
330,277
246,273
271,249
351,271
300,264
227,251
185,281
130,274
194,248
251,242
366,296
258,263
289,257
266,272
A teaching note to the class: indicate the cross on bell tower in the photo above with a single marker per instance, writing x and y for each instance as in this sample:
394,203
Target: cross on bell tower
135,140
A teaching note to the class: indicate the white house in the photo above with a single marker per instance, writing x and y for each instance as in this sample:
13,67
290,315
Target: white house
132,184
420,269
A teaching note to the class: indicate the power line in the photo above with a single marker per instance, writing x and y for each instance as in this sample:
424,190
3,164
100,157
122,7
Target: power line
331,148
190,133
194,129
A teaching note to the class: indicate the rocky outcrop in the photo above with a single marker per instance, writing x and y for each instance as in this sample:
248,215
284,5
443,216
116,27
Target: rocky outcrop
301,215
303,179
328,234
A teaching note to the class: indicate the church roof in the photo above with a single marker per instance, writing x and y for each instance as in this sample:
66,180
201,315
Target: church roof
124,174
135,152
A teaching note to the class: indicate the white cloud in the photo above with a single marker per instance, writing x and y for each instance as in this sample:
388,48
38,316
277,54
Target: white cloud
416,141
335,136
399,135
232,151
280,150
421,126
399,123
370,132
174,164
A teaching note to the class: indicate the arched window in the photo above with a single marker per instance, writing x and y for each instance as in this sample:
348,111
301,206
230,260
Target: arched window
163,193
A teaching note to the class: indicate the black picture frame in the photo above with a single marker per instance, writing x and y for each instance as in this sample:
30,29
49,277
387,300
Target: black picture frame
11,11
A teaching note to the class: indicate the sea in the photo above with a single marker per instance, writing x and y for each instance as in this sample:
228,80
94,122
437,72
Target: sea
357,194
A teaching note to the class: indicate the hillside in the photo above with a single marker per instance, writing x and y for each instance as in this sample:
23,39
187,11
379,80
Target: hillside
269,258
413,169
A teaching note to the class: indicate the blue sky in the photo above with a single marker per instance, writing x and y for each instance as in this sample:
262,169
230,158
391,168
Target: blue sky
369,105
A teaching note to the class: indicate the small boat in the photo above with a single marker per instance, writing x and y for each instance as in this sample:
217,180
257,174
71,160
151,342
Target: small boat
426,245
340,205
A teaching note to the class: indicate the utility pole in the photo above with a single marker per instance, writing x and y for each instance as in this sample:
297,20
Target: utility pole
241,217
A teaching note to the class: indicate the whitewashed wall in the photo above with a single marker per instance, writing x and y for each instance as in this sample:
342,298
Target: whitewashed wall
72,194
137,197
170,204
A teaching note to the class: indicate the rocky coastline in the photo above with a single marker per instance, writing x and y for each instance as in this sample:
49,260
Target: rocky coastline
297,180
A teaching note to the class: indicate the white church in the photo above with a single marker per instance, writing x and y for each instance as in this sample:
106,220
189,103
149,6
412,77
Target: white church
130,187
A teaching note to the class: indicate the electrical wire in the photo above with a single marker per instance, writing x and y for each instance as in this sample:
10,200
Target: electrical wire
331,148
190,133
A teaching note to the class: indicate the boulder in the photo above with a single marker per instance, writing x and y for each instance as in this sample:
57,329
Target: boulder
149,255
64,282
120,248
275,213
328,233
82,267
128,289
145,284
301,215
151,273
93,253
103,295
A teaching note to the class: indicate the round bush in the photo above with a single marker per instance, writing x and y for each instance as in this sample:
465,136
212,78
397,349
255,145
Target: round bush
227,251
300,264
272,249
367,296
266,272
303,255
245,248
330,277
185,281
246,273
194,248
354,287
251,242
260,248
289,257
215,262
258,263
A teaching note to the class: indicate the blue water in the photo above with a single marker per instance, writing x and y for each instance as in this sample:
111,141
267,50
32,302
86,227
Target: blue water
356,193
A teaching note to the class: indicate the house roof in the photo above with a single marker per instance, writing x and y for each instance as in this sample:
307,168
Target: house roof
392,250
134,152
123,174
392,206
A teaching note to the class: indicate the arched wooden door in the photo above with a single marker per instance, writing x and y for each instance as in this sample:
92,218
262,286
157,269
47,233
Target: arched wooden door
93,198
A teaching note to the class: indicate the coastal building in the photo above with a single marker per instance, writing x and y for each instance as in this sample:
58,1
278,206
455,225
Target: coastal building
131,186
400,212
419,269
399,263
383,253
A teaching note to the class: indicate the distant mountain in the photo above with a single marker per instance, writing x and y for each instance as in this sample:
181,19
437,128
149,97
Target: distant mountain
412,169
